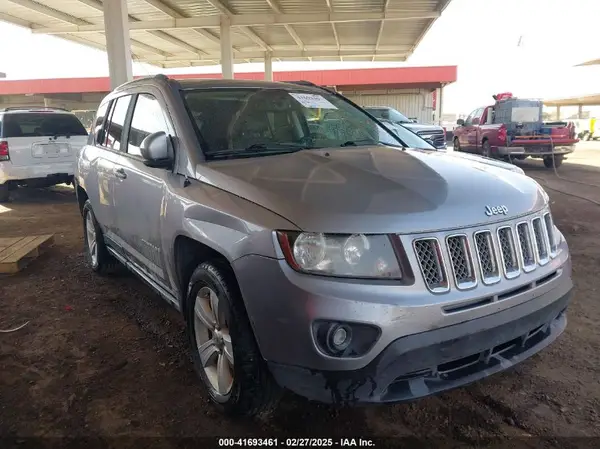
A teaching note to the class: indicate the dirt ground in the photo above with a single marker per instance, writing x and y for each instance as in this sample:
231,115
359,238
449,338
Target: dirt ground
107,357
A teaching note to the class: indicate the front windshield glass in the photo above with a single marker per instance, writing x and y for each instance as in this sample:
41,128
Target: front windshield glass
243,122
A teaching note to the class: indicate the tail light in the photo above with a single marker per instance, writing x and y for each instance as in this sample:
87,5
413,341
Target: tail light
4,156
502,134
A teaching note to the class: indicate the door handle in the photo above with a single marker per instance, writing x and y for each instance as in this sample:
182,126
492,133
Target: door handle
120,173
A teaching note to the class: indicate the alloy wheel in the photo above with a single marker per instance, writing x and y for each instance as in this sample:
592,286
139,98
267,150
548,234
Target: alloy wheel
213,341
91,238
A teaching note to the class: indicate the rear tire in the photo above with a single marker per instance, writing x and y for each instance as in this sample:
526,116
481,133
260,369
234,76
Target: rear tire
96,253
231,367
456,144
486,149
553,161
4,193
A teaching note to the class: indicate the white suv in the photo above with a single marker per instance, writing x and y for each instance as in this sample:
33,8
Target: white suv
38,147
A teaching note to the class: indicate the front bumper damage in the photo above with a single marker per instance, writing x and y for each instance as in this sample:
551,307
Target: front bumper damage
427,363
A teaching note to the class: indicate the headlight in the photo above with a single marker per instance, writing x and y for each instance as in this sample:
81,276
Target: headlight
347,255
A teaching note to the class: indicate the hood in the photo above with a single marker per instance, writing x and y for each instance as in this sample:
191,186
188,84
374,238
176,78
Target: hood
376,189
418,127
486,160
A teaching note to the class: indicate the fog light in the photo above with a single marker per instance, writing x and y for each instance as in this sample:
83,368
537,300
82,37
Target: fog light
342,339
339,337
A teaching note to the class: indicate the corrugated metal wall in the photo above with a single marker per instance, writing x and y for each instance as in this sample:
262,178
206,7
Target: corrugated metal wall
413,103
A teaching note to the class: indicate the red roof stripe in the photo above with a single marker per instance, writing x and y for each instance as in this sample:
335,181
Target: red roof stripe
349,77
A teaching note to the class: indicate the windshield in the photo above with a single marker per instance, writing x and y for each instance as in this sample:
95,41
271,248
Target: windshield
243,122
388,114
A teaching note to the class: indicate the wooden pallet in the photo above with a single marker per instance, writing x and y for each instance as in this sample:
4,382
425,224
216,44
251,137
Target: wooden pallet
17,252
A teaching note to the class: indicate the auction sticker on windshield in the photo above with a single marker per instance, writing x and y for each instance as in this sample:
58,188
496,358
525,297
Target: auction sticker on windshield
313,101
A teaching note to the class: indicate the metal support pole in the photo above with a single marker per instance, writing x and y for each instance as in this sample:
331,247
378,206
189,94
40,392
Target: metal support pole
557,112
268,67
441,104
580,111
118,45
226,48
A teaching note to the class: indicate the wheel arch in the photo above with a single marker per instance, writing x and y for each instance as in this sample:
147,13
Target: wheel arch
188,253
81,196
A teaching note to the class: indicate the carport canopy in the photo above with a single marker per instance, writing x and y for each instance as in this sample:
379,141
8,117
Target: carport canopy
180,33
586,100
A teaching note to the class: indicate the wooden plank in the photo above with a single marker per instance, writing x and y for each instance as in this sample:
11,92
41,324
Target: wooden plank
8,241
31,249
16,247
23,252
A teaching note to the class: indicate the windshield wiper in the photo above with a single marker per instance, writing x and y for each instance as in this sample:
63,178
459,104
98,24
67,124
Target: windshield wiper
256,149
356,143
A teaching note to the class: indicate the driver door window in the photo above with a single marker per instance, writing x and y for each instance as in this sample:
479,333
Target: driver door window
148,118
476,119
469,120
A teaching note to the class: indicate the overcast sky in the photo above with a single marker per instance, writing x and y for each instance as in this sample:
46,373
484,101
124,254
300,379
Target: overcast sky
527,47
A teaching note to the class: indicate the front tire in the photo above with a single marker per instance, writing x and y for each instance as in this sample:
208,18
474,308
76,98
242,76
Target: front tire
96,253
553,161
4,193
225,353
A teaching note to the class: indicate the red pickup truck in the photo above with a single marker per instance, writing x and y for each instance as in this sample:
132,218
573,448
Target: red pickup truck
512,129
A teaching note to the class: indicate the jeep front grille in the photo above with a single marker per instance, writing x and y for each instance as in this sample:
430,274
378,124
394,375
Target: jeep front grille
487,254
508,251
488,260
461,261
540,240
432,266
526,246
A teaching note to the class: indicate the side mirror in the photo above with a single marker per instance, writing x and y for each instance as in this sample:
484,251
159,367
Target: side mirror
460,122
156,150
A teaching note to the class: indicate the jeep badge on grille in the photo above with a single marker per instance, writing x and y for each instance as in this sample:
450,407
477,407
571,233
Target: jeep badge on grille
496,210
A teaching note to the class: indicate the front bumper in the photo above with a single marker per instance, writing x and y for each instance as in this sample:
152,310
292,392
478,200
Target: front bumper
431,362
534,151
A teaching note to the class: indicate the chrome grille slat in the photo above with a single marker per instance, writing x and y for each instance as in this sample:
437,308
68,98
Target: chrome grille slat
432,266
504,251
526,247
550,231
460,259
541,242
508,252
486,253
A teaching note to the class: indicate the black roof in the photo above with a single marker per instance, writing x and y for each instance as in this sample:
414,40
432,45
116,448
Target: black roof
203,83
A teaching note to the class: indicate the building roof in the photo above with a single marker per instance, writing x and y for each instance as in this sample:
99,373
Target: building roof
350,79
176,33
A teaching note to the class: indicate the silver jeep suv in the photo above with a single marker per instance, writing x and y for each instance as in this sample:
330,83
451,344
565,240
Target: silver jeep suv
308,247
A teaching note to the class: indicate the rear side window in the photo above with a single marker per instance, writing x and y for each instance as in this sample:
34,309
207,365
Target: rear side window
34,124
97,128
148,118
115,129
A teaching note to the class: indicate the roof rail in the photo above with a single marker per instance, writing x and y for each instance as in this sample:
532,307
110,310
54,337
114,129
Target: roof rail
303,83
311,84
33,108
